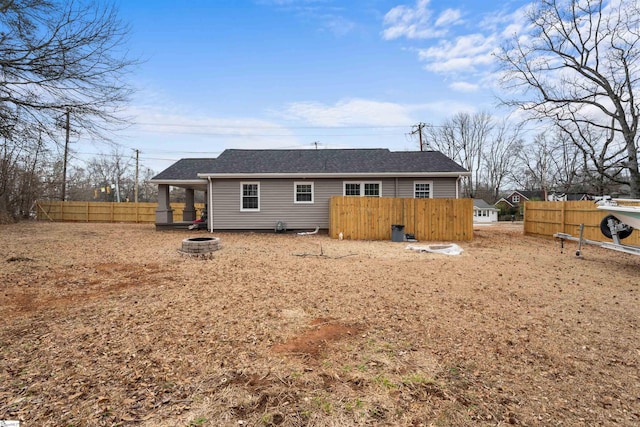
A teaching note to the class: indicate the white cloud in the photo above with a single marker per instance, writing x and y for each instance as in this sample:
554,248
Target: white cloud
350,112
369,113
448,17
167,132
338,25
464,54
328,15
464,87
417,22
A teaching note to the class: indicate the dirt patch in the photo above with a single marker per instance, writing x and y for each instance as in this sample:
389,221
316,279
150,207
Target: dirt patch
316,340
108,325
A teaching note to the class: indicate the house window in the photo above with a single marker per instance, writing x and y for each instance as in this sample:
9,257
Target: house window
351,189
372,189
303,192
515,199
422,189
363,189
250,196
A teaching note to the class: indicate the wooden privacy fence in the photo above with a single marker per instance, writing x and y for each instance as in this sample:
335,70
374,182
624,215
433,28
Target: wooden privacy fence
371,218
104,211
548,218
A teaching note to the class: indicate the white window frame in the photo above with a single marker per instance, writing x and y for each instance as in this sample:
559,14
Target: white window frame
430,183
361,184
515,198
242,208
295,193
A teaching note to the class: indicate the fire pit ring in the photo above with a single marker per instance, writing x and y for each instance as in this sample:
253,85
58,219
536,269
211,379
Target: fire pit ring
199,246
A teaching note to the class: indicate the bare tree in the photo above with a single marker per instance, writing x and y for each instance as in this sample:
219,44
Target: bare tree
535,160
462,138
579,67
500,155
567,164
114,170
147,192
603,155
58,58
549,163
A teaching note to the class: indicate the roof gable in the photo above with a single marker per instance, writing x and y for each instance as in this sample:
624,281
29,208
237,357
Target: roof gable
503,201
481,204
185,169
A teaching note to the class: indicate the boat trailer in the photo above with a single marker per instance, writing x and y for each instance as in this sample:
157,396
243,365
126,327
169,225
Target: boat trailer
615,228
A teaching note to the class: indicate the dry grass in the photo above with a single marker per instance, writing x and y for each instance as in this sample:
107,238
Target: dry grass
106,324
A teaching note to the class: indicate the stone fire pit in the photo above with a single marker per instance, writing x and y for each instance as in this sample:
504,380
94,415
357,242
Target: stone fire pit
199,246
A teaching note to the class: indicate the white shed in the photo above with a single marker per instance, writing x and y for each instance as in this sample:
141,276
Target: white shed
484,212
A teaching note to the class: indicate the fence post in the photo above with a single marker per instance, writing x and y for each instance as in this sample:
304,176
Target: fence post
562,216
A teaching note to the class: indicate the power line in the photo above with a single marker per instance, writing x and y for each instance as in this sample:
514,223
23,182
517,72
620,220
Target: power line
253,135
271,127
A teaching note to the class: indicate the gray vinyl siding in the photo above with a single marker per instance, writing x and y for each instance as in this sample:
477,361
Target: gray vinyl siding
443,188
277,201
276,204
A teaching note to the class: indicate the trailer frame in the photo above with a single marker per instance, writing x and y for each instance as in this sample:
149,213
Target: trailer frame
615,245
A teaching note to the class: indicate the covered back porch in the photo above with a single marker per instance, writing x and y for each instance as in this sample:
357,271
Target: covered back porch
164,219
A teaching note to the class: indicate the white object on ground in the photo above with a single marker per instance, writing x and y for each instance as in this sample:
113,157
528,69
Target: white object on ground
449,249
308,233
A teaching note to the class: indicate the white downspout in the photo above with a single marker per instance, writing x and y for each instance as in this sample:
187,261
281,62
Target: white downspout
210,207
458,186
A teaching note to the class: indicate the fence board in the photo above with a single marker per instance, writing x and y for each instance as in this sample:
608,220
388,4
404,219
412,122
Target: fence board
50,210
371,218
548,218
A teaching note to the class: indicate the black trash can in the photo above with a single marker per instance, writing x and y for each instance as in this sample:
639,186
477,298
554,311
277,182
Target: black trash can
397,232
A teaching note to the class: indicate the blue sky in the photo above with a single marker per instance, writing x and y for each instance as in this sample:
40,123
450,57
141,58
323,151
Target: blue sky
290,73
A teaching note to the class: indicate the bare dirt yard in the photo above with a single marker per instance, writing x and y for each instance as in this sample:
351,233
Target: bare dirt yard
108,325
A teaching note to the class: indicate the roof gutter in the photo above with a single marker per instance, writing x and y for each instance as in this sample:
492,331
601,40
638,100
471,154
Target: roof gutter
335,175
178,181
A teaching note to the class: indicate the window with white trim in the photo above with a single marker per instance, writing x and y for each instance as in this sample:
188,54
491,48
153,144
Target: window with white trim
515,199
423,189
303,192
362,189
249,196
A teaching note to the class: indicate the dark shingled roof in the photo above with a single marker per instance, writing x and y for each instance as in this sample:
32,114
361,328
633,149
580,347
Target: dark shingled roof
312,162
186,169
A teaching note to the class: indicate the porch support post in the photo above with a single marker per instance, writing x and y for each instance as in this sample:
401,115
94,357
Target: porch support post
189,212
164,213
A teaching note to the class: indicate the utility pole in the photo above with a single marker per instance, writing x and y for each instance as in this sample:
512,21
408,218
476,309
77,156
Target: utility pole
66,154
418,129
135,191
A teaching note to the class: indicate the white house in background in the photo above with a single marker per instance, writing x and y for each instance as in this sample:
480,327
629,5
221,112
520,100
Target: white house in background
484,212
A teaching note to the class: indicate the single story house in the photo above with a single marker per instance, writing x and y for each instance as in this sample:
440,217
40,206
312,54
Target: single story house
259,189
484,212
